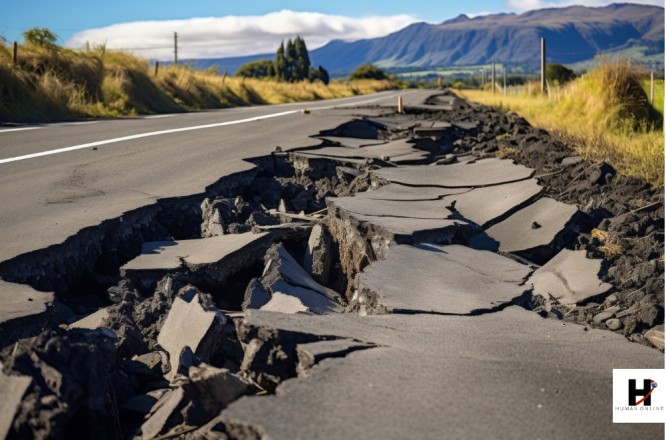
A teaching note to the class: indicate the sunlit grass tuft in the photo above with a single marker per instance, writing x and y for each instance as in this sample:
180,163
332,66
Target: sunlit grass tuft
606,112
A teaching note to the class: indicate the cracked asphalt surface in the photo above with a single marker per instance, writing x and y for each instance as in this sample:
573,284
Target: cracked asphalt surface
429,336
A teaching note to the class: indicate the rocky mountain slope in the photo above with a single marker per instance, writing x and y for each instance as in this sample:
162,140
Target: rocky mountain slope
574,34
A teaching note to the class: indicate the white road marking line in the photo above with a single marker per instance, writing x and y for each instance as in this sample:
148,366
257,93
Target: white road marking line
143,135
68,124
174,130
19,129
158,116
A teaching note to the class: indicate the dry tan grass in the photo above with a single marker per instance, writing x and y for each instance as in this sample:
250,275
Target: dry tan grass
609,244
54,84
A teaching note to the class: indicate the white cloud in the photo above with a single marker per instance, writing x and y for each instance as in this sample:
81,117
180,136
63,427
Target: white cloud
236,35
526,5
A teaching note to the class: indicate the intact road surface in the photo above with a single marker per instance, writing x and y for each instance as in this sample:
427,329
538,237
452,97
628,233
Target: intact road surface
56,179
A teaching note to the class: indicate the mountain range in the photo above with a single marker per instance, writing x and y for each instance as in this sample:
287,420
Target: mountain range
573,34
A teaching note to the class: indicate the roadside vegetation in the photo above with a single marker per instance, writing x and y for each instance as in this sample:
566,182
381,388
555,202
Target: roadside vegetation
50,83
606,112
291,64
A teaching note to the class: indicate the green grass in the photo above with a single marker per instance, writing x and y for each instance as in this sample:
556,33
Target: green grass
658,94
635,54
605,111
49,85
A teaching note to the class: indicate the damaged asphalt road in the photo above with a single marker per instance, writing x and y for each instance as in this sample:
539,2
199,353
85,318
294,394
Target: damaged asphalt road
392,276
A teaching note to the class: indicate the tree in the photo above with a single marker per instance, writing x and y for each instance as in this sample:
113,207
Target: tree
302,64
280,64
368,71
40,37
256,69
290,57
292,63
319,74
559,74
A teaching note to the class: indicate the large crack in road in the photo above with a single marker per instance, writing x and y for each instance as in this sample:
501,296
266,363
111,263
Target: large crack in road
380,284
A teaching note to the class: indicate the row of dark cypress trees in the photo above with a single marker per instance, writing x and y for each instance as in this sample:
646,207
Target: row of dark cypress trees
292,63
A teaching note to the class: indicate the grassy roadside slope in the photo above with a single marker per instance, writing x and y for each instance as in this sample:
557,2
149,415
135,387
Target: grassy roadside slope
605,112
58,84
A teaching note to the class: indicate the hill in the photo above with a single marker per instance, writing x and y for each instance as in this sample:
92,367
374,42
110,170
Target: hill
574,34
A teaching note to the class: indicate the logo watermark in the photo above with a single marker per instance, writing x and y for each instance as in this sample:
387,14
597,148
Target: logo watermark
637,397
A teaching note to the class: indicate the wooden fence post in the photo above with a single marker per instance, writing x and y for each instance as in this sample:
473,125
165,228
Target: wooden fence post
157,67
652,87
504,74
543,65
15,54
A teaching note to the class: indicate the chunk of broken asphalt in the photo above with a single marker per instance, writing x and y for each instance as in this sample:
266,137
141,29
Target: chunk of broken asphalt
202,393
516,234
429,278
484,172
281,266
22,301
12,389
656,336
287,298
570,277
219,256
317,259
403,221
190,324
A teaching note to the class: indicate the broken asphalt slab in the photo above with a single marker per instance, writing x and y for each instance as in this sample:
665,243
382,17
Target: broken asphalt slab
481,205
190,323
396,191
528,231
569,277
396,151
12,389
227,253
504,375
22,301
485,172
427,278
431,224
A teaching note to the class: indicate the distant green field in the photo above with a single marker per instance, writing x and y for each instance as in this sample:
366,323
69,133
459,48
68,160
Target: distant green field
637,54
658,94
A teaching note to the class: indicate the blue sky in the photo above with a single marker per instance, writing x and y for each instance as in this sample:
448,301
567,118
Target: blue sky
214,28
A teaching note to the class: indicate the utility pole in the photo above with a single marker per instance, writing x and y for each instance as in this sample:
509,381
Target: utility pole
175,47
543,65
492,86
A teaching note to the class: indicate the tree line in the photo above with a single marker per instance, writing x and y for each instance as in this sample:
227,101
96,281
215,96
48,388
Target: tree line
291,64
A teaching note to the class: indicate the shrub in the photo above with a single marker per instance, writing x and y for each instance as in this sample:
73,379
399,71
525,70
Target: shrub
368,71
256,69
559,74
40,37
